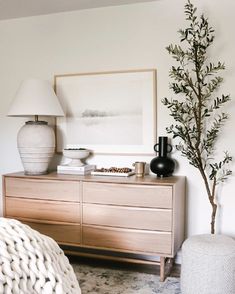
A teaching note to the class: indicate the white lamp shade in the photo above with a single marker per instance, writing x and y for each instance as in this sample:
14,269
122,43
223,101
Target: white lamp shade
35,97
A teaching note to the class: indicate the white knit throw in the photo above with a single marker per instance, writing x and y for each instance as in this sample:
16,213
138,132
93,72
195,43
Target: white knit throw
32,263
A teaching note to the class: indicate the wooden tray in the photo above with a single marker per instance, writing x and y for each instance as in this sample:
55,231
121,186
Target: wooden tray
96,173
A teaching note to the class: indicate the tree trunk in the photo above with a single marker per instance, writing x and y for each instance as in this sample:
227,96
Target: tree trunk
213,215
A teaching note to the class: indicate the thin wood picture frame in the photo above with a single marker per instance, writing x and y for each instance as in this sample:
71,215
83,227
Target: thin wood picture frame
107,112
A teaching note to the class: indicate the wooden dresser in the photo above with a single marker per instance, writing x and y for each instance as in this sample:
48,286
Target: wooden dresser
132,216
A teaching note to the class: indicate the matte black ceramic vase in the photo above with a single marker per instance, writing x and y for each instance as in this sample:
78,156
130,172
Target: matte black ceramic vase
162,165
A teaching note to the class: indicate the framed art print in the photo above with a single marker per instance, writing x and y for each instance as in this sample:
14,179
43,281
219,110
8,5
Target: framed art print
107,112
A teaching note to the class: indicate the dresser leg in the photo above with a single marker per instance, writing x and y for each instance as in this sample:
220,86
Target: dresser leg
162,269
166,265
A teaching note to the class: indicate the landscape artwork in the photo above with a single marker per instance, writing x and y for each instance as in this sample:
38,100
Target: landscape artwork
107,112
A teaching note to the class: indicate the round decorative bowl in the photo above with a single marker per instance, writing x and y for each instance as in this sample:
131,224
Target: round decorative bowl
76,155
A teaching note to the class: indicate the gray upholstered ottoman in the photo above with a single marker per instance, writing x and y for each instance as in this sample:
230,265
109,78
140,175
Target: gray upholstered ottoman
208,265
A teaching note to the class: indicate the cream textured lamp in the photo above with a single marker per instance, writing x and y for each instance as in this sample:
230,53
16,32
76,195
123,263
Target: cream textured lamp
36,140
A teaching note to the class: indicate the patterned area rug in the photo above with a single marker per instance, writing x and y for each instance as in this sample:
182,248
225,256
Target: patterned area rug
111,281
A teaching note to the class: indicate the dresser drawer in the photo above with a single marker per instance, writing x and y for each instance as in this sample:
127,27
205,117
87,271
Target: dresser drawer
127,217
130,195
127,240
42,189
62,233
42,210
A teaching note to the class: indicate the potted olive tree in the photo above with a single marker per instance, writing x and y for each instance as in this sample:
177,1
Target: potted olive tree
197,112
198,119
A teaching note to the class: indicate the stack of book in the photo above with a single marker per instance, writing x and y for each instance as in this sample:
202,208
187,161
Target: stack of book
75,170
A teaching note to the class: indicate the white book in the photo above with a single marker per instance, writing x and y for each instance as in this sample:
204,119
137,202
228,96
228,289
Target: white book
74,172
87,167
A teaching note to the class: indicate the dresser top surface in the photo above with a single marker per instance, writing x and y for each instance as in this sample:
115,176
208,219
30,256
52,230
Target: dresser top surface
146,180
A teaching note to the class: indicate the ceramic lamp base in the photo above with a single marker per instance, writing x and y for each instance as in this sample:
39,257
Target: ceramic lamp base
36,145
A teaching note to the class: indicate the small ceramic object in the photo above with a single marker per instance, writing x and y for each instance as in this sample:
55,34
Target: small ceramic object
139,168
162,166
76,155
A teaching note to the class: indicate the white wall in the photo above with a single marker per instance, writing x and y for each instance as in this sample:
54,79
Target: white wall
117,38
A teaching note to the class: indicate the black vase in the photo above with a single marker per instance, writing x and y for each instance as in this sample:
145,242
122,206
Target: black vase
162,165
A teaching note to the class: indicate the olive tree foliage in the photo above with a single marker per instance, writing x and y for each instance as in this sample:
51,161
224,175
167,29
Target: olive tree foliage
197,111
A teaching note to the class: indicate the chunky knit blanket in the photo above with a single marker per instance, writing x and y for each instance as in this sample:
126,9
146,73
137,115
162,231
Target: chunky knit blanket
32,263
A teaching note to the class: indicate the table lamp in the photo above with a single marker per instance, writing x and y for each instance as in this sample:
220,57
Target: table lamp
36,140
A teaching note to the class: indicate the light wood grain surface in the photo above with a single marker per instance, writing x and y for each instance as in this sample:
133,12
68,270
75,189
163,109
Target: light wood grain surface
40,209
132,240
61,232
146,180
42,189
131,195
127,217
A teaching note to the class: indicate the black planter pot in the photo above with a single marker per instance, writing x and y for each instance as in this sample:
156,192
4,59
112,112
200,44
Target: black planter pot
162,165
